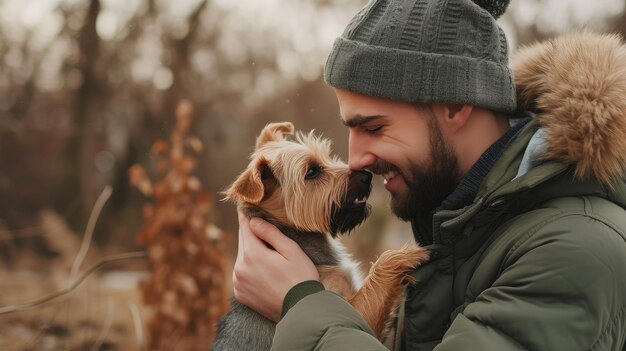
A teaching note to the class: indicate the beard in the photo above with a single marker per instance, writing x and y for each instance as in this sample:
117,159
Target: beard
429,183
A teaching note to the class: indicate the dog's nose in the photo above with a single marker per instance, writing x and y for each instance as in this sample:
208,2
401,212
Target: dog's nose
364,177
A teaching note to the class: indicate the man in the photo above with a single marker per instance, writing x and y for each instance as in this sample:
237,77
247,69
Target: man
524,212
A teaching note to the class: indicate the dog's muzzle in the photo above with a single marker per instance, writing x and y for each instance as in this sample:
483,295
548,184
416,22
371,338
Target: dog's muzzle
359,188
354,208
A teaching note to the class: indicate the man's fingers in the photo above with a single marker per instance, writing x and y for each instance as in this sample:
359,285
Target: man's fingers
251,243
244,223
270,234
248,244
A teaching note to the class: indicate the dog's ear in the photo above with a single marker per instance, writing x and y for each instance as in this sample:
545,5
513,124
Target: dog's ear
253,184
274,132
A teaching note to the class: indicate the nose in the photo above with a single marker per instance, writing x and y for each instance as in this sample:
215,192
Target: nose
358,155
364,177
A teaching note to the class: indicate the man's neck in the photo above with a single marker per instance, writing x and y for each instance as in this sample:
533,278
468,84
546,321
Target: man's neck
467,189
482,129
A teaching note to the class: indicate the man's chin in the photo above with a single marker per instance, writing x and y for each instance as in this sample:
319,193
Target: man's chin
400,208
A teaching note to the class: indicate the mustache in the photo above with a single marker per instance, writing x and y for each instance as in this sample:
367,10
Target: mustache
382,167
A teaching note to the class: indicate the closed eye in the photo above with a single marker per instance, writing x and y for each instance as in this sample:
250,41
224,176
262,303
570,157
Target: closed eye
372,130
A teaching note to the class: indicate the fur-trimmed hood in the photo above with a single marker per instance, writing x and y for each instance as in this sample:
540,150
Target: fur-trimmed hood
577,83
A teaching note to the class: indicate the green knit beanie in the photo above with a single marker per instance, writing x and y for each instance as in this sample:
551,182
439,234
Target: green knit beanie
420,51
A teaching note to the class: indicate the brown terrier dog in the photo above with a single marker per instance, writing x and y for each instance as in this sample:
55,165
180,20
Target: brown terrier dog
311,197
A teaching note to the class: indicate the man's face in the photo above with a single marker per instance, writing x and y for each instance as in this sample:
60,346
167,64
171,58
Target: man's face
405,145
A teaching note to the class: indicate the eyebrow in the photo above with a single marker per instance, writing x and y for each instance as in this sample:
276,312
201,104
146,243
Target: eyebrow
359,120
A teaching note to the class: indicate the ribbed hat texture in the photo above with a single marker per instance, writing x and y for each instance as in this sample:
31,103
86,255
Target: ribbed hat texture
419,51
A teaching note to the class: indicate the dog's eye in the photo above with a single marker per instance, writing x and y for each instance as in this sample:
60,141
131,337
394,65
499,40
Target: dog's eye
313,172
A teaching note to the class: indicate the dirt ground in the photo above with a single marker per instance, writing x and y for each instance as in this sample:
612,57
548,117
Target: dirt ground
104,313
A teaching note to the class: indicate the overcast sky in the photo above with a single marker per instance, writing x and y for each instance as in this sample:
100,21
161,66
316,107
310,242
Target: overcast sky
309,31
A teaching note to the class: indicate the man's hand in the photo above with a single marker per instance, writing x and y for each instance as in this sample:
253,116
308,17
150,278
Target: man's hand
262,276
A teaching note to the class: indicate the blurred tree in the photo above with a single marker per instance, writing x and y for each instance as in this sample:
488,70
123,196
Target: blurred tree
87,101
619,24
186,288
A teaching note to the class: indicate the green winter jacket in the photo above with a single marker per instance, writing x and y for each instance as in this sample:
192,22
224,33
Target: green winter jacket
538,260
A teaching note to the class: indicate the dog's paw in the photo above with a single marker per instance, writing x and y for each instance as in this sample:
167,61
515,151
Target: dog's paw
409,279
401,262
416,255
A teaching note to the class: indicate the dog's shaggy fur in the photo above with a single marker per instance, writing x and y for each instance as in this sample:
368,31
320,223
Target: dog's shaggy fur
578,82
311,197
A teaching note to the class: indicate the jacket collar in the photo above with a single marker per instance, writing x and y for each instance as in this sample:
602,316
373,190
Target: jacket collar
505,192
578,82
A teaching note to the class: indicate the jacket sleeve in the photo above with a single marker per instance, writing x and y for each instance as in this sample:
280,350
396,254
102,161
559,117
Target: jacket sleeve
324,321
561,287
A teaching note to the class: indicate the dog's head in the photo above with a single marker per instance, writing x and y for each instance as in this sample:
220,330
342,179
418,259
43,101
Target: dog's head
300,184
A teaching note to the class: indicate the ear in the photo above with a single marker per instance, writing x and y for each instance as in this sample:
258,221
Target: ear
454,117
274,132
250,186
